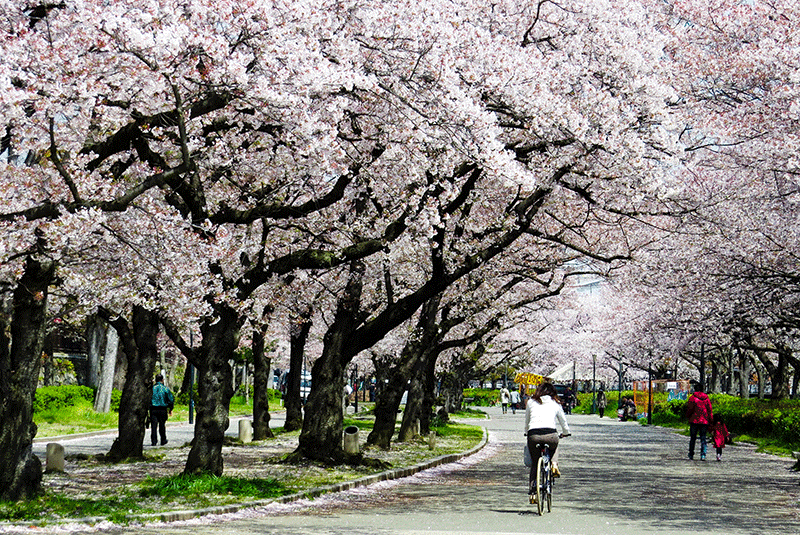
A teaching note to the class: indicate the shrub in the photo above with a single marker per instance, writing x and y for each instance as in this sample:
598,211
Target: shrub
482,397
116,396
58,397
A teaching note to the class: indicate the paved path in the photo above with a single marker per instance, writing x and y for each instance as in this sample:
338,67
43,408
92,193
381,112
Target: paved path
619,478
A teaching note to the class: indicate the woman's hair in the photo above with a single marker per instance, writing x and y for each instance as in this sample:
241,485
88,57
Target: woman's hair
545,389
717,418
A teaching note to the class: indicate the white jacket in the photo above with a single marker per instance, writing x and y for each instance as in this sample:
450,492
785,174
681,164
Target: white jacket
545,415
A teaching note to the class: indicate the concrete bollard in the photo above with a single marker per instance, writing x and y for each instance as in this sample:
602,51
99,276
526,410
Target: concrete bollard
417,426
245,431
55,457
351,440
432,440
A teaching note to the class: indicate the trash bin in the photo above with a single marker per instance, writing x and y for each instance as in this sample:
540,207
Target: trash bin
351,440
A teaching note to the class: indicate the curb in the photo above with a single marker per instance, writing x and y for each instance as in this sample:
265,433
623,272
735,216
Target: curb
174,516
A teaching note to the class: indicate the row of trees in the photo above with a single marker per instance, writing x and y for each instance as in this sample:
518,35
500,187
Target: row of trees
403,182
715,293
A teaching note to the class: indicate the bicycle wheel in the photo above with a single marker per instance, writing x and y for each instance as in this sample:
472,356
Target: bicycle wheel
541,478
550,493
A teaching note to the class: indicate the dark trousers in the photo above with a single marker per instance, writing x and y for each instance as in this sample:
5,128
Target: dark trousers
158,421
551,439
694,430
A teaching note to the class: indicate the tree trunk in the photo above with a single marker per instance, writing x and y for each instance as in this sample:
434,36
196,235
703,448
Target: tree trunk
407,367
261,379
95,336
780,383
220,338
141,353
413,409
745,369
429,393
387,404
321,437
292,402
20,469
453,393
102,399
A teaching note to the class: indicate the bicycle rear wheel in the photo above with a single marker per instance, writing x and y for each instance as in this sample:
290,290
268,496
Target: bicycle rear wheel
550,494
541,478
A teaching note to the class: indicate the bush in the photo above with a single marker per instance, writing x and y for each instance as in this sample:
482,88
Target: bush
482,397
116,396
58,397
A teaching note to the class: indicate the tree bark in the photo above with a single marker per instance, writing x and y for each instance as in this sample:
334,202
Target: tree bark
215,379
261,380
292,402
141,353
95,336
321,437
413,409
388,401
102,399
429,393
20,469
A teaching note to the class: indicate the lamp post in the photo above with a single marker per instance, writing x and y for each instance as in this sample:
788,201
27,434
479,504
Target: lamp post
191,381
650,394
594,384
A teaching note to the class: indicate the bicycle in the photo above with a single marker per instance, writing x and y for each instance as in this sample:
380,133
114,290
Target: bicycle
543,495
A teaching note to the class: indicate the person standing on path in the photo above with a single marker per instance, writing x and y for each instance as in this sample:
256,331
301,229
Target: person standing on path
601,402
504,397
543,412
161,405
700,414
515,399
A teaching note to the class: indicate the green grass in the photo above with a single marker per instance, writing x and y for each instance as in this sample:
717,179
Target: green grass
462,431
182,486
55,507
81,417
469,413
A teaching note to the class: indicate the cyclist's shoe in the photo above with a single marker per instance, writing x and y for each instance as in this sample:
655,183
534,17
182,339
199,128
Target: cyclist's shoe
556,471
533,498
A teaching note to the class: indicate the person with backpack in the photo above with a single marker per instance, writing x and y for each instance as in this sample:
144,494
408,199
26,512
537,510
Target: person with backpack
161,404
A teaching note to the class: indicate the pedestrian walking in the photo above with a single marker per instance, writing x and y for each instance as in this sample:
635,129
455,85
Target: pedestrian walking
515,400
543,412
601,402
700,414
720,433
504,398
161,405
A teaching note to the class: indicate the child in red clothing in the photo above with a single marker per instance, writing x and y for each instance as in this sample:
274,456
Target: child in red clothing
720,433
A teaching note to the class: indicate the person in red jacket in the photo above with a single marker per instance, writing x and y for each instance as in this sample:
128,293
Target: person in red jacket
700,415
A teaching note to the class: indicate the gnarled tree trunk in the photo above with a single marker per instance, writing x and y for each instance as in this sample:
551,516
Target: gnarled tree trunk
215,380
408,366
141,353
413,409
321,437
20,469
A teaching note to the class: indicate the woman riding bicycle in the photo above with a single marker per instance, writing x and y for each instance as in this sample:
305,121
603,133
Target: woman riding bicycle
542,412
